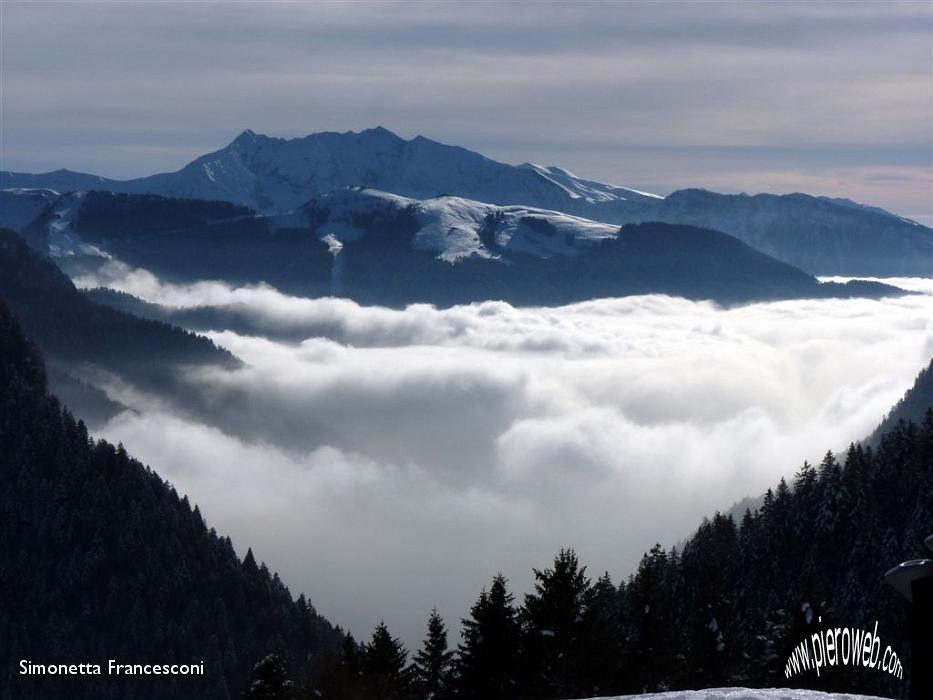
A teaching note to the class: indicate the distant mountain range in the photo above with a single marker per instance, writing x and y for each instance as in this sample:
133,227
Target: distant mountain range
380,248
273,176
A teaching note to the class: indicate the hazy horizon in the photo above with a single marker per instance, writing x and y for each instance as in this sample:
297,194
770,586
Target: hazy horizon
828,99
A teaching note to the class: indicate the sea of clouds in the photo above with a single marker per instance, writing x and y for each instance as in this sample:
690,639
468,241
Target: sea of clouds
386,461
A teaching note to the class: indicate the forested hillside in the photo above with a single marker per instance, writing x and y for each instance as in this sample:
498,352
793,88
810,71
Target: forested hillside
68,326
101,559
912,407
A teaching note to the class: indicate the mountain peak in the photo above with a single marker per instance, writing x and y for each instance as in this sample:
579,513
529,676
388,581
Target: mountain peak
380,132
247,137
378,129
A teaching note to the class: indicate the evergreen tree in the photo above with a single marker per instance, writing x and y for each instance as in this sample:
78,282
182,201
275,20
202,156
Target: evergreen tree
487,663
604,652
383,665
432,664
652,628
338,674
270,681
706,602
556,624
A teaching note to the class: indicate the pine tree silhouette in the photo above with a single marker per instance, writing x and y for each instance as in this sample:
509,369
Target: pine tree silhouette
383,665
488,655
270,681
432,664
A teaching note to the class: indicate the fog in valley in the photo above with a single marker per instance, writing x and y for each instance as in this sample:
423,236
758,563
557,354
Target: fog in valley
387,461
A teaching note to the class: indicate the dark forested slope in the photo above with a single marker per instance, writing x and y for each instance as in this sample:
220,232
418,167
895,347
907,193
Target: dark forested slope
68,326
912,407
74,333
101,559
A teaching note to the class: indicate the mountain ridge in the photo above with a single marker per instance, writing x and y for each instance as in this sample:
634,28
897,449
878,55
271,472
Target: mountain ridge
271,175
384,249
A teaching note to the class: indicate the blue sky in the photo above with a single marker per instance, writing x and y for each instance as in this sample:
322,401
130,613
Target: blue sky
827,98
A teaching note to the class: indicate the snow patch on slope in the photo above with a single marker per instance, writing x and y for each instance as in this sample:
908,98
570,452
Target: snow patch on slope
63,240
588,190
455,228
450,227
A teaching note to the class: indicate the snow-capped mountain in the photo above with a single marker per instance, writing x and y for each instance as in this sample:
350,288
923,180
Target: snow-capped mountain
274,175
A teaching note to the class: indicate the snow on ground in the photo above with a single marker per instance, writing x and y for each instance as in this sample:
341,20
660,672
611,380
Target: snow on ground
63,240
747,694
566,234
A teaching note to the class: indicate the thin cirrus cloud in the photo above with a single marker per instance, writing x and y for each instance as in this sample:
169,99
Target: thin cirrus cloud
386,461
765,97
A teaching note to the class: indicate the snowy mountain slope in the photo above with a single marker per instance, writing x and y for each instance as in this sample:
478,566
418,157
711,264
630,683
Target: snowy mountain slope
453,228
588,190
47,218
816,234
274,175
60,218
747,694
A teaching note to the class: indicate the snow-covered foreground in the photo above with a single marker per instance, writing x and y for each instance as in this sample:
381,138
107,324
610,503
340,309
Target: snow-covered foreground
748,694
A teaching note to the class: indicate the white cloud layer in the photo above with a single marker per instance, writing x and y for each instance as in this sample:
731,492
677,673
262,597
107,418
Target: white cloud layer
394,460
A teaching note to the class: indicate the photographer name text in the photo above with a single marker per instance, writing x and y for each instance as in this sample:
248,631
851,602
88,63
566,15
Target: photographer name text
111,668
